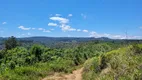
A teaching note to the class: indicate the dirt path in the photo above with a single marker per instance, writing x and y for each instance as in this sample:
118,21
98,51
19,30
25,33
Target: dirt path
76,75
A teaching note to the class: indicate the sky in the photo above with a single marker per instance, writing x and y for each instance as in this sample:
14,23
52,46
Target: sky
116,19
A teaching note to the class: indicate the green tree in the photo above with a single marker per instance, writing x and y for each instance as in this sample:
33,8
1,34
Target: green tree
11,42
37,50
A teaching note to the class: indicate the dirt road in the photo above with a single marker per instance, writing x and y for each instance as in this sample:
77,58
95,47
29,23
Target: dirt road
76,75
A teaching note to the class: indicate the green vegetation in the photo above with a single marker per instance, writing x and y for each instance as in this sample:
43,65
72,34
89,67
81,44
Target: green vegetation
103,60
121,64
11,43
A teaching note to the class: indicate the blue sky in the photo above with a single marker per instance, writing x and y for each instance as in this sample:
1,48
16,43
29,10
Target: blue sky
71,18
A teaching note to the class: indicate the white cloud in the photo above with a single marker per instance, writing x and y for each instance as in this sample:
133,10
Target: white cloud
78,30
85,31
58,15
63,23
52,24
24,34
135,37
97,35
29,33
60,19
83,15
46,31
70,15
141,27
72,29
41,29
33,28
117,36
23,28
4,23
67,28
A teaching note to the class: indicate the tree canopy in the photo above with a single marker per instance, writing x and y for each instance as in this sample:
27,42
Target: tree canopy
11,42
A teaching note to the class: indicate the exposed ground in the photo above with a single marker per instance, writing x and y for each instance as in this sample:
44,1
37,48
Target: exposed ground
76,75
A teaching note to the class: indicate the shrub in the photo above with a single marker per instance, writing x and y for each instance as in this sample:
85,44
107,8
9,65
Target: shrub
37,50
116,64
62,65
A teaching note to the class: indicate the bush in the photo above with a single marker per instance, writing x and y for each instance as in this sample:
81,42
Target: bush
91,69
117,64
37,50
137,49
62,65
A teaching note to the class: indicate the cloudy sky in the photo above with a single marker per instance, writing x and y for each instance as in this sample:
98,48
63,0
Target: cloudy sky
71,18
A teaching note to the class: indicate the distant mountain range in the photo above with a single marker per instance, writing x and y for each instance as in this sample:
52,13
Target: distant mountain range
62,39
58,41
54,41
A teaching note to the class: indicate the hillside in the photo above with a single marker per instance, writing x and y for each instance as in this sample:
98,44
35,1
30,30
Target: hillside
103,60
54,42
38,61
121,64
63,42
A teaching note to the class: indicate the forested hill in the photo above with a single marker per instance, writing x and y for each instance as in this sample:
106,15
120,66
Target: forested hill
59,39
54,42
60,42
63,39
